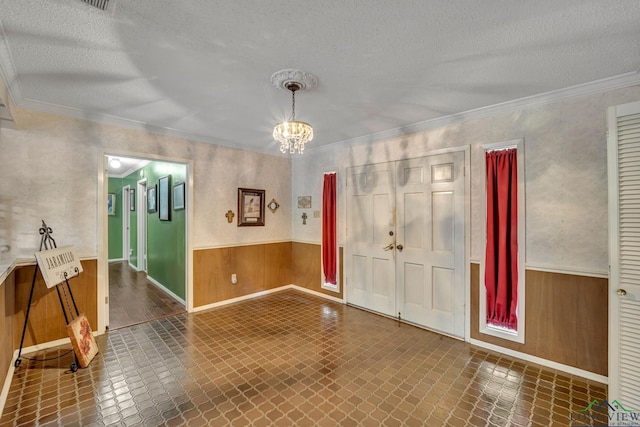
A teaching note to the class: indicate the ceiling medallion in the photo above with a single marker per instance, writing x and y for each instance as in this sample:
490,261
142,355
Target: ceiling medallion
292,134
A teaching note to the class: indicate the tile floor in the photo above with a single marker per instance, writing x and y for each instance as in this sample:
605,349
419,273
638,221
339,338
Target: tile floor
291,359
134,299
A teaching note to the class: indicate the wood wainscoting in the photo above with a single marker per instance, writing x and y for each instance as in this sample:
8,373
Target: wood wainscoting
307,268
566,319
46,320
7,292
258,268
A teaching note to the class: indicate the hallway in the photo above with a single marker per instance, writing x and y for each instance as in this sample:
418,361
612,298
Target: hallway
291,359
134,299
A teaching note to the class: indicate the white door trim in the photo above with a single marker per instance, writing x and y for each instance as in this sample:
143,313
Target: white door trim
126,224
141,218
103,236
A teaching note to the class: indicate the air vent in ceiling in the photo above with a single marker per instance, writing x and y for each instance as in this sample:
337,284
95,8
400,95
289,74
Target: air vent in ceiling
100,4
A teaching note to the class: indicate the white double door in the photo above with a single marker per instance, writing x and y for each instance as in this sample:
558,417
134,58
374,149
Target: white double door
405,233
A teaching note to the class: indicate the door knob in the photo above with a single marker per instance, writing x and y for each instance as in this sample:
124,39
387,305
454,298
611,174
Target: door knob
388,247
400,248
621,292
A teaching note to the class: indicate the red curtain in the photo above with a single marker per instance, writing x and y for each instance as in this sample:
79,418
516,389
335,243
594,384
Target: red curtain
501,267
329,228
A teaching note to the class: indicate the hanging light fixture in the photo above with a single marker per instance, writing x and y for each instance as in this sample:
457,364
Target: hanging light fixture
293,134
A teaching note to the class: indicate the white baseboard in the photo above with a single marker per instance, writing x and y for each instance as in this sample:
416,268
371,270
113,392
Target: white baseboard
166,291
262,293
7,384
238,299
115,259
540,361
318,294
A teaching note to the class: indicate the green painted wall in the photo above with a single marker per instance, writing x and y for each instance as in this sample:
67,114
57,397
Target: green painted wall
166,240
114,224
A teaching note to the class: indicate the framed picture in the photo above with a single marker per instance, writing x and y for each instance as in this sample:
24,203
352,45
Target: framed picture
178,196
250,207
304,202
132,199
152,200
111,204
163,198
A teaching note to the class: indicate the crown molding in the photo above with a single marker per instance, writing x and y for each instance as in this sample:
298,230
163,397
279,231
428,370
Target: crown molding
106,119
585,89
8,69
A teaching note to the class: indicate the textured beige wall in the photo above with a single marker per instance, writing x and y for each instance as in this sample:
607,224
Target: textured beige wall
49,170
565,166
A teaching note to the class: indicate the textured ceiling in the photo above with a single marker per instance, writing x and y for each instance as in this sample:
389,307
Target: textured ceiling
201,68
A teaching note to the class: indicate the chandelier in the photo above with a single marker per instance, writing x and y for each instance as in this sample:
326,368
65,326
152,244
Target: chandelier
293,134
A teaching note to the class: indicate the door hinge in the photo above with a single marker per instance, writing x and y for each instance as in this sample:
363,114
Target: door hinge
106,300
399,316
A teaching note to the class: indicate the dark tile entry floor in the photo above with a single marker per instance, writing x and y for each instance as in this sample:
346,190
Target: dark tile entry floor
134,299
291,359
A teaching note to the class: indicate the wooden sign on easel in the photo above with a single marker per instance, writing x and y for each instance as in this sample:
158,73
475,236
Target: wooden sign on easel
58,264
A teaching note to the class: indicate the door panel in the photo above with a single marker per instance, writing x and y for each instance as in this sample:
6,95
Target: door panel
431,234
371,207
442,228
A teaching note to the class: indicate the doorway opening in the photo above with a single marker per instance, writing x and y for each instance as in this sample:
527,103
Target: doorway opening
147,251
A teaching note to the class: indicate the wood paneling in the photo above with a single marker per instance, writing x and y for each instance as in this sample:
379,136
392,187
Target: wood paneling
6,325
46,320
277,267
566,319
257,268
307,268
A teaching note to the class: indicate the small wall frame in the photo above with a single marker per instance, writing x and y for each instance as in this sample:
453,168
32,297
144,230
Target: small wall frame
178,197
111,204
152,199
250,207
164,198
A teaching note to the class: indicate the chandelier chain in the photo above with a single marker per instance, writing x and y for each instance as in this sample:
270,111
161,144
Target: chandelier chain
292,135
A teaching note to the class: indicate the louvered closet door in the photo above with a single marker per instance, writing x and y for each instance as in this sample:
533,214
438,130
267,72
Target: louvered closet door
624,254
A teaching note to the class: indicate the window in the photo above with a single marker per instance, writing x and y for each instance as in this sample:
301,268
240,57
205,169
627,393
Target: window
502,275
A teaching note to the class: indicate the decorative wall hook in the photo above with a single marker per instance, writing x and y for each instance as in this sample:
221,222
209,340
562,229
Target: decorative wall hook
230,216
273,205
304,218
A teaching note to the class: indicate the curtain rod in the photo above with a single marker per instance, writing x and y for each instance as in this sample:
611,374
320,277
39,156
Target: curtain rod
501,149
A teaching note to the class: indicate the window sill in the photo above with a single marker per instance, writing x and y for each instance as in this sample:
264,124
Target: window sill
330,287
504,333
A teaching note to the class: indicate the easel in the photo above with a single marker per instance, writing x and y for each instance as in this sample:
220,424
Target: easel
47,242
